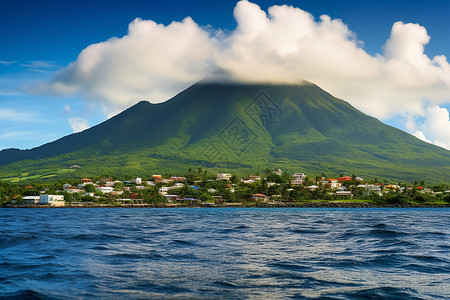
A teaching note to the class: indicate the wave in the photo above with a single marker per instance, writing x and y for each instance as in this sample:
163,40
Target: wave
25,295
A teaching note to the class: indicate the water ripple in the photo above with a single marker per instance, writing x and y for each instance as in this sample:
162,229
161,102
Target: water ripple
209,253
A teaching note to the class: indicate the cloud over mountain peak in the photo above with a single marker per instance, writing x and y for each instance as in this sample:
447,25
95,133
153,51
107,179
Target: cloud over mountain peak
286,44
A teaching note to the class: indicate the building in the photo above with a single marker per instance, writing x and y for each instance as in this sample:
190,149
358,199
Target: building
345,178
86,181
224,176
254,177
299,176
105,189
72,190
296,182
344,194
278,172
137,180
157,178
55,200
260,197
30,200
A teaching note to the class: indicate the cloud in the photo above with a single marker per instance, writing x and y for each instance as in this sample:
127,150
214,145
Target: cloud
78,124
151,62
68,108
154,62
436,127
40,65
7,62
7,114
11,134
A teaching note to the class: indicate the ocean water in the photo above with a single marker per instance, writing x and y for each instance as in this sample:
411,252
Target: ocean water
225,253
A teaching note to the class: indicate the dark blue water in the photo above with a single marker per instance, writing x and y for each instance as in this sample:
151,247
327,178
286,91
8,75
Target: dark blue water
225,253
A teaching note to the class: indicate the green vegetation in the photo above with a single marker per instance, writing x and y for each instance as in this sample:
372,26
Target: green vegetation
200,187
232,128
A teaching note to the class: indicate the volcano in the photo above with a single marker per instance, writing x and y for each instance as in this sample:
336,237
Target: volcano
240,128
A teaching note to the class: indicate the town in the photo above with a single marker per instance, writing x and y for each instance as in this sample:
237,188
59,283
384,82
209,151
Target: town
200,188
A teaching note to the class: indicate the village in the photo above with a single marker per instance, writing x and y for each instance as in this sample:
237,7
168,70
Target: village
274,187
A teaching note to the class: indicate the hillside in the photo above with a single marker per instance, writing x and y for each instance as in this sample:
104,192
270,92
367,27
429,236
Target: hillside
241,128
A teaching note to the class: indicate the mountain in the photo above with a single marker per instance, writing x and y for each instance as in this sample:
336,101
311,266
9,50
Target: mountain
241,128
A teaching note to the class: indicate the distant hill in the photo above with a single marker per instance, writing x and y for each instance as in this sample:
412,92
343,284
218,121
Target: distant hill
241,128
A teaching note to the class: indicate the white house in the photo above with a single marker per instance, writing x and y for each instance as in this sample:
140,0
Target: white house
137,180
278,172
296,182
30,200
299,176
141,187
224,176
105,189
72,190
55,200
344,194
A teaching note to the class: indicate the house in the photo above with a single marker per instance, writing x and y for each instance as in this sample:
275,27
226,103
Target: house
254,177
178,178
312,188
260,197
299,176
71,190
344,194
141,187
30,200
187,200
296,182
86,181
54,200
105,189
130,201
345,178
218,200
278,172
157,178
171,198
392,187
224,176
137,180
334,183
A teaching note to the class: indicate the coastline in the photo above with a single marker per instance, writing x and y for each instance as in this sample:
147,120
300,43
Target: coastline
250,205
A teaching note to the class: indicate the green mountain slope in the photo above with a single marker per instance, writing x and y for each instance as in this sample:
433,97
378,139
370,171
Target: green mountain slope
241,128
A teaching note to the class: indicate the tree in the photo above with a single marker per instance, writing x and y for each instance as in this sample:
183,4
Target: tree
89,188
446,198
118,185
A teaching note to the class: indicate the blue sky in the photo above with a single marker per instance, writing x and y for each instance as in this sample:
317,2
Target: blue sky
39,38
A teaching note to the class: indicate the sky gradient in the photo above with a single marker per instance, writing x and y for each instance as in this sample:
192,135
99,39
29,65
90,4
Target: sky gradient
39,103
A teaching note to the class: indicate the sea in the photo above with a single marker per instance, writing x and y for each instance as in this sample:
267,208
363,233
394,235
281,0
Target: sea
225,253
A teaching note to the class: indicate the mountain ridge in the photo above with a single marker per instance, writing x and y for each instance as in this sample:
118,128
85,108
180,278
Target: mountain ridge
242,128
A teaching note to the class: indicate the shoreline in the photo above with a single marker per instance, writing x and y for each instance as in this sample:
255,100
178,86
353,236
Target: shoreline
250,205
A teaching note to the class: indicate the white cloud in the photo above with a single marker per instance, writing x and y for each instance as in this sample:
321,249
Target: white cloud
68,108
151,62
7,114
7,62
11,134
78,124
286,44
436,127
